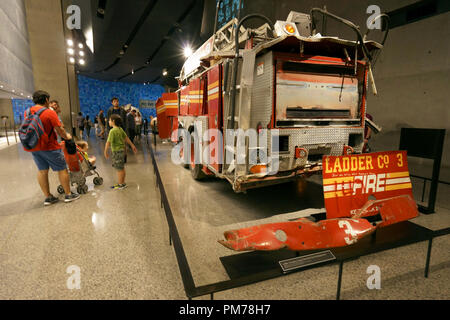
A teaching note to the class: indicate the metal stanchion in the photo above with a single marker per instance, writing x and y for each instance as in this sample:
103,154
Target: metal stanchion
14,130
6,133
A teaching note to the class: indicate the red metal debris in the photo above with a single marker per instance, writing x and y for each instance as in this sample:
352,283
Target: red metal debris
356,187
302,234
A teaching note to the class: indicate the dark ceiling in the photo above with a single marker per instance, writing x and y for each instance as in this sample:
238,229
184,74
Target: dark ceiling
150,33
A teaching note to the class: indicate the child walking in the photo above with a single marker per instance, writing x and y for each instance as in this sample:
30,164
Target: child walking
116,140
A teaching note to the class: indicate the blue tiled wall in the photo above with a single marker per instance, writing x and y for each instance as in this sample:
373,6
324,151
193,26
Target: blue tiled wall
96,94
227,11
19,107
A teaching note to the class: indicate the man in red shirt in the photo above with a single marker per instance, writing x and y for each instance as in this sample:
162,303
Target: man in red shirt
48,154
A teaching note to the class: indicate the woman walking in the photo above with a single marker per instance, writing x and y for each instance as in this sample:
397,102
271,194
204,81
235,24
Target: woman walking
138,120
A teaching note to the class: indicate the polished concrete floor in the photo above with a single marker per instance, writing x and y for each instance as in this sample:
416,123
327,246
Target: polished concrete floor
119,238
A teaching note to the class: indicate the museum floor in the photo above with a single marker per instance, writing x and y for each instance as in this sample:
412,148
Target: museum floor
119,238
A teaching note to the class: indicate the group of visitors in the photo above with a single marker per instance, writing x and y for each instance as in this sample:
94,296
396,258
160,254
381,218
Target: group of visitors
132,122
39,135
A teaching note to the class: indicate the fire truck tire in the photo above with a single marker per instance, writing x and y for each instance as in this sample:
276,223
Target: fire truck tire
196,169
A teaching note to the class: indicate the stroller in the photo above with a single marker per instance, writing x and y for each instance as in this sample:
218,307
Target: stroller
79,168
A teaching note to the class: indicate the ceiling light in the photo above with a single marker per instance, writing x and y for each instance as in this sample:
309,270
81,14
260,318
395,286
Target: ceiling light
1,86
13,91
187,52
70,51
81,61
80,45
69,42
132,71
82,53
72,60
164,73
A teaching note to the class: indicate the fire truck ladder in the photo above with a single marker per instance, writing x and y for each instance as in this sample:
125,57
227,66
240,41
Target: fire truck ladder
245,87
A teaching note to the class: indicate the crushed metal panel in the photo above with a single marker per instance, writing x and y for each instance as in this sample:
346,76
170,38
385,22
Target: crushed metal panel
302,234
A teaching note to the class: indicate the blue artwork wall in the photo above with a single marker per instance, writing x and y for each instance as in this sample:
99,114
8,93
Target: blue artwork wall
96,94
19,106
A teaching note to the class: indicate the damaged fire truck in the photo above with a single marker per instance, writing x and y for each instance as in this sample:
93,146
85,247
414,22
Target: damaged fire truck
306,89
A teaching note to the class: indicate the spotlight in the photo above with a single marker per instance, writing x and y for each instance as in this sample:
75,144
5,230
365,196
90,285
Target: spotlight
80,45
1,87
72,60
132,71
70,51
81,53
187,52
69,42
81,61
164,73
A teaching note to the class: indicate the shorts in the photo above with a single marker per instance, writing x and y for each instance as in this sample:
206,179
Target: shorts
118,159
50,159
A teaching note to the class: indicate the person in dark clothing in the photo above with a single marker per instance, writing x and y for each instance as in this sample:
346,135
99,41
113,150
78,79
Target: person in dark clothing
145,126
131,125
116,109
88,126
80,123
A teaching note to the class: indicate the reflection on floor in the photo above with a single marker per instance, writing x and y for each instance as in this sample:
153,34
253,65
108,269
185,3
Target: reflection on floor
8,141
119,238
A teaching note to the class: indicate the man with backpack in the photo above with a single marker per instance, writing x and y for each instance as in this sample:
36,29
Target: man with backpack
38,136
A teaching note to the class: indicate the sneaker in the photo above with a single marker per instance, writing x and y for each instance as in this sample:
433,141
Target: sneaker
71,197
50,200
119,186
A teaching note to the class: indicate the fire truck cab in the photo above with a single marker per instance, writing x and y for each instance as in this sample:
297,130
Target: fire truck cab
306,90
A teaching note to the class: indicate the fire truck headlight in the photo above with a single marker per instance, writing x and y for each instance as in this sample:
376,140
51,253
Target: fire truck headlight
289,28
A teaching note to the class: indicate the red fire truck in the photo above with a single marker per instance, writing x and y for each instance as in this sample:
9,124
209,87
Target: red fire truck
306,89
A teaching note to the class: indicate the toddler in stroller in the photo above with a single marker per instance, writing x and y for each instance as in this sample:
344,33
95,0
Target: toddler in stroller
79,166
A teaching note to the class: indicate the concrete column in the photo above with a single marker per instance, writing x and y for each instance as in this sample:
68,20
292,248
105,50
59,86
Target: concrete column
48,53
